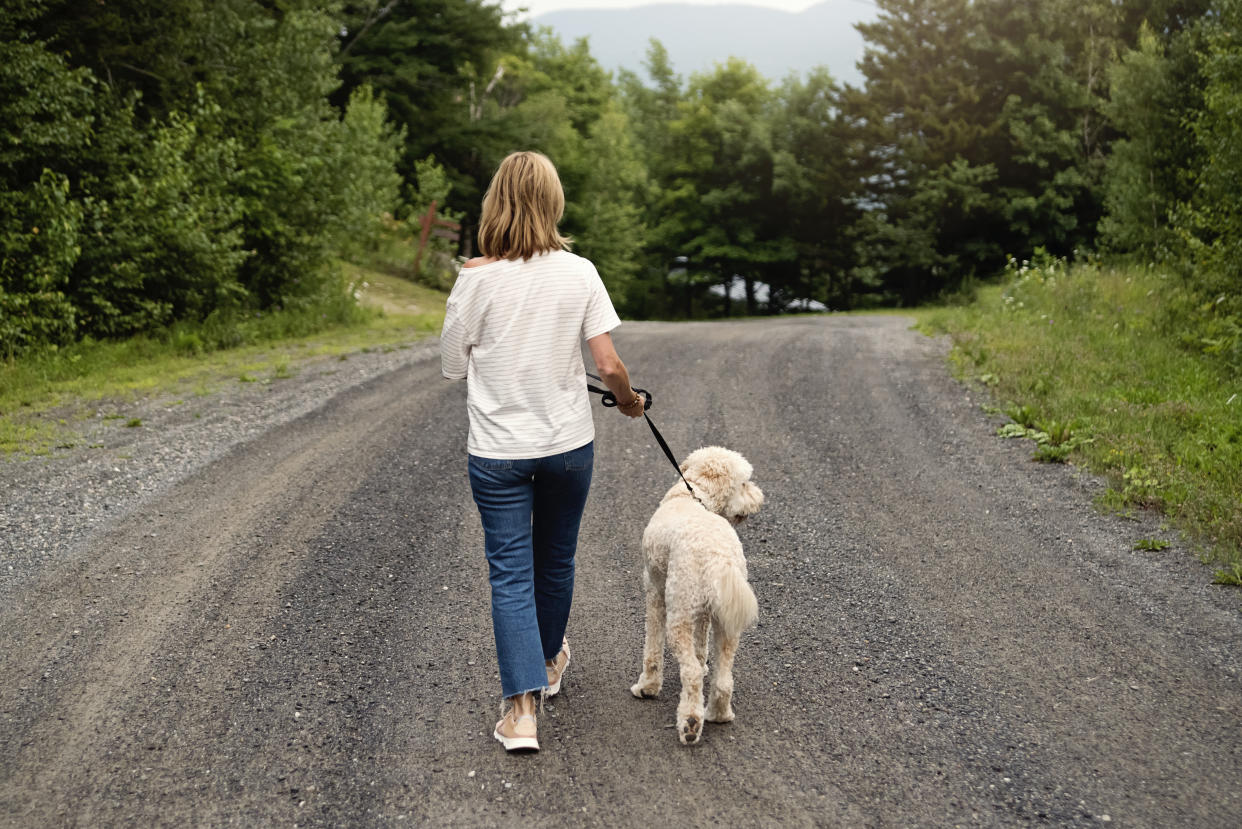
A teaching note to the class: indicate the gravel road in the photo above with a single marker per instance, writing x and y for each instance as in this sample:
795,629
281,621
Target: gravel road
276,613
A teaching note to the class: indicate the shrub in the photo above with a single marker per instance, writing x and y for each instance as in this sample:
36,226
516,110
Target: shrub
45,124
160,242
199,188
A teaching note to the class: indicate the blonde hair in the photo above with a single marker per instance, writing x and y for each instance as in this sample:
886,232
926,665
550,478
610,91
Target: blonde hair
521,208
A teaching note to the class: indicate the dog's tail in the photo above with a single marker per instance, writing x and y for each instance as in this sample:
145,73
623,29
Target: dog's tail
734,607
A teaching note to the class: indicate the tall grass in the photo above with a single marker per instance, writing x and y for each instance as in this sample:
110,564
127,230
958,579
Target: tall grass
1108,360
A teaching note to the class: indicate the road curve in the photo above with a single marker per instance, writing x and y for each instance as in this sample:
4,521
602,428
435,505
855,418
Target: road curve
298,633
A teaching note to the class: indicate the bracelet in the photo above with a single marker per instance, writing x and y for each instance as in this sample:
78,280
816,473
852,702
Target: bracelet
638,398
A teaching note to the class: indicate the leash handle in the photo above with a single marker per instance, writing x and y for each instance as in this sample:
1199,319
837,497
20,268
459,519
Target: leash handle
609,400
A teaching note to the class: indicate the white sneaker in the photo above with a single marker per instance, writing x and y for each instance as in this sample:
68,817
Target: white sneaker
556,669
517,732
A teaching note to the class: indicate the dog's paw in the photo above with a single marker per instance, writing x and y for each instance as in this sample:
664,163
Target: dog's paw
719,708
690,729
645,690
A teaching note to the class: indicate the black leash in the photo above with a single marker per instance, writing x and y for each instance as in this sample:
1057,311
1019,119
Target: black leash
609,400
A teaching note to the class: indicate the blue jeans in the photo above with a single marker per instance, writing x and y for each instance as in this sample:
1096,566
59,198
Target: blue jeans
530,510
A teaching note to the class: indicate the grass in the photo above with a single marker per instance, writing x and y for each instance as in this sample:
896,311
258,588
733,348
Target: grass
45,396
1097,366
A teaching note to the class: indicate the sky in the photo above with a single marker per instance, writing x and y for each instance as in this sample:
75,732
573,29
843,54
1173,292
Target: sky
538,7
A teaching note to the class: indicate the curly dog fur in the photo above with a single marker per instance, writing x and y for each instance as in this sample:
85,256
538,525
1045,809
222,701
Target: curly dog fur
695,579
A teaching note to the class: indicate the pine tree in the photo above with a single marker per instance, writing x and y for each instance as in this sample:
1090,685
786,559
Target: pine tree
814,185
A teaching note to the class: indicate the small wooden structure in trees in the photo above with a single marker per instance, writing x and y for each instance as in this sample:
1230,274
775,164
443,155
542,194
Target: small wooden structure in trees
432,226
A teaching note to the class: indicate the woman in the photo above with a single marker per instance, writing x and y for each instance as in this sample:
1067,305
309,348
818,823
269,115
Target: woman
513,329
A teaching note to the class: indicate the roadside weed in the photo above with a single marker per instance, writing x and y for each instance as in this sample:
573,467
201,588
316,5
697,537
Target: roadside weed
32,437
1022,415
1054,442
1050,453
1229,575
1059,434
1140,486
1151,545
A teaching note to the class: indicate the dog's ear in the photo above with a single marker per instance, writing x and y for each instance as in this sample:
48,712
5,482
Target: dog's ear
746,501
713,470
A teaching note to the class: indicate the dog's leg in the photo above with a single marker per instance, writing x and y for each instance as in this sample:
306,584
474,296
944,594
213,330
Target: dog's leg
652,676
681,635
719,701
701,628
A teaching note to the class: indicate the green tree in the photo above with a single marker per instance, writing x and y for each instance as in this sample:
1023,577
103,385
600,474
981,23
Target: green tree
712,208
159,236
275,70
723,185
570,109
177,159
651,109
558,100
929,129
435,64
984,134
46,115
605,213
1213,220
1154,92
814,188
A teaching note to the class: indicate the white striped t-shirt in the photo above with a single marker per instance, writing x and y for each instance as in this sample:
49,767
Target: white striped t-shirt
514,330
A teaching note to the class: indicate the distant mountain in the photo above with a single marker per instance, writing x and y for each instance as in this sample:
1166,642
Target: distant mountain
776,42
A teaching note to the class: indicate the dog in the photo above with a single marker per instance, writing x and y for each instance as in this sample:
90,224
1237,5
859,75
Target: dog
695,578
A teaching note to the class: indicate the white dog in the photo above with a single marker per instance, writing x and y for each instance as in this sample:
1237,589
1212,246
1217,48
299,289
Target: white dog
695,577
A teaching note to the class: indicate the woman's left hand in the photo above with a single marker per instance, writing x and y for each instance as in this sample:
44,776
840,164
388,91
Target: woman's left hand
635,407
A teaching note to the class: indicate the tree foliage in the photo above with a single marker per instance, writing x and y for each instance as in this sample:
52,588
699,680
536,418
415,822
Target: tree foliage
982,134
1171,185
433,63
45,122
167,161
